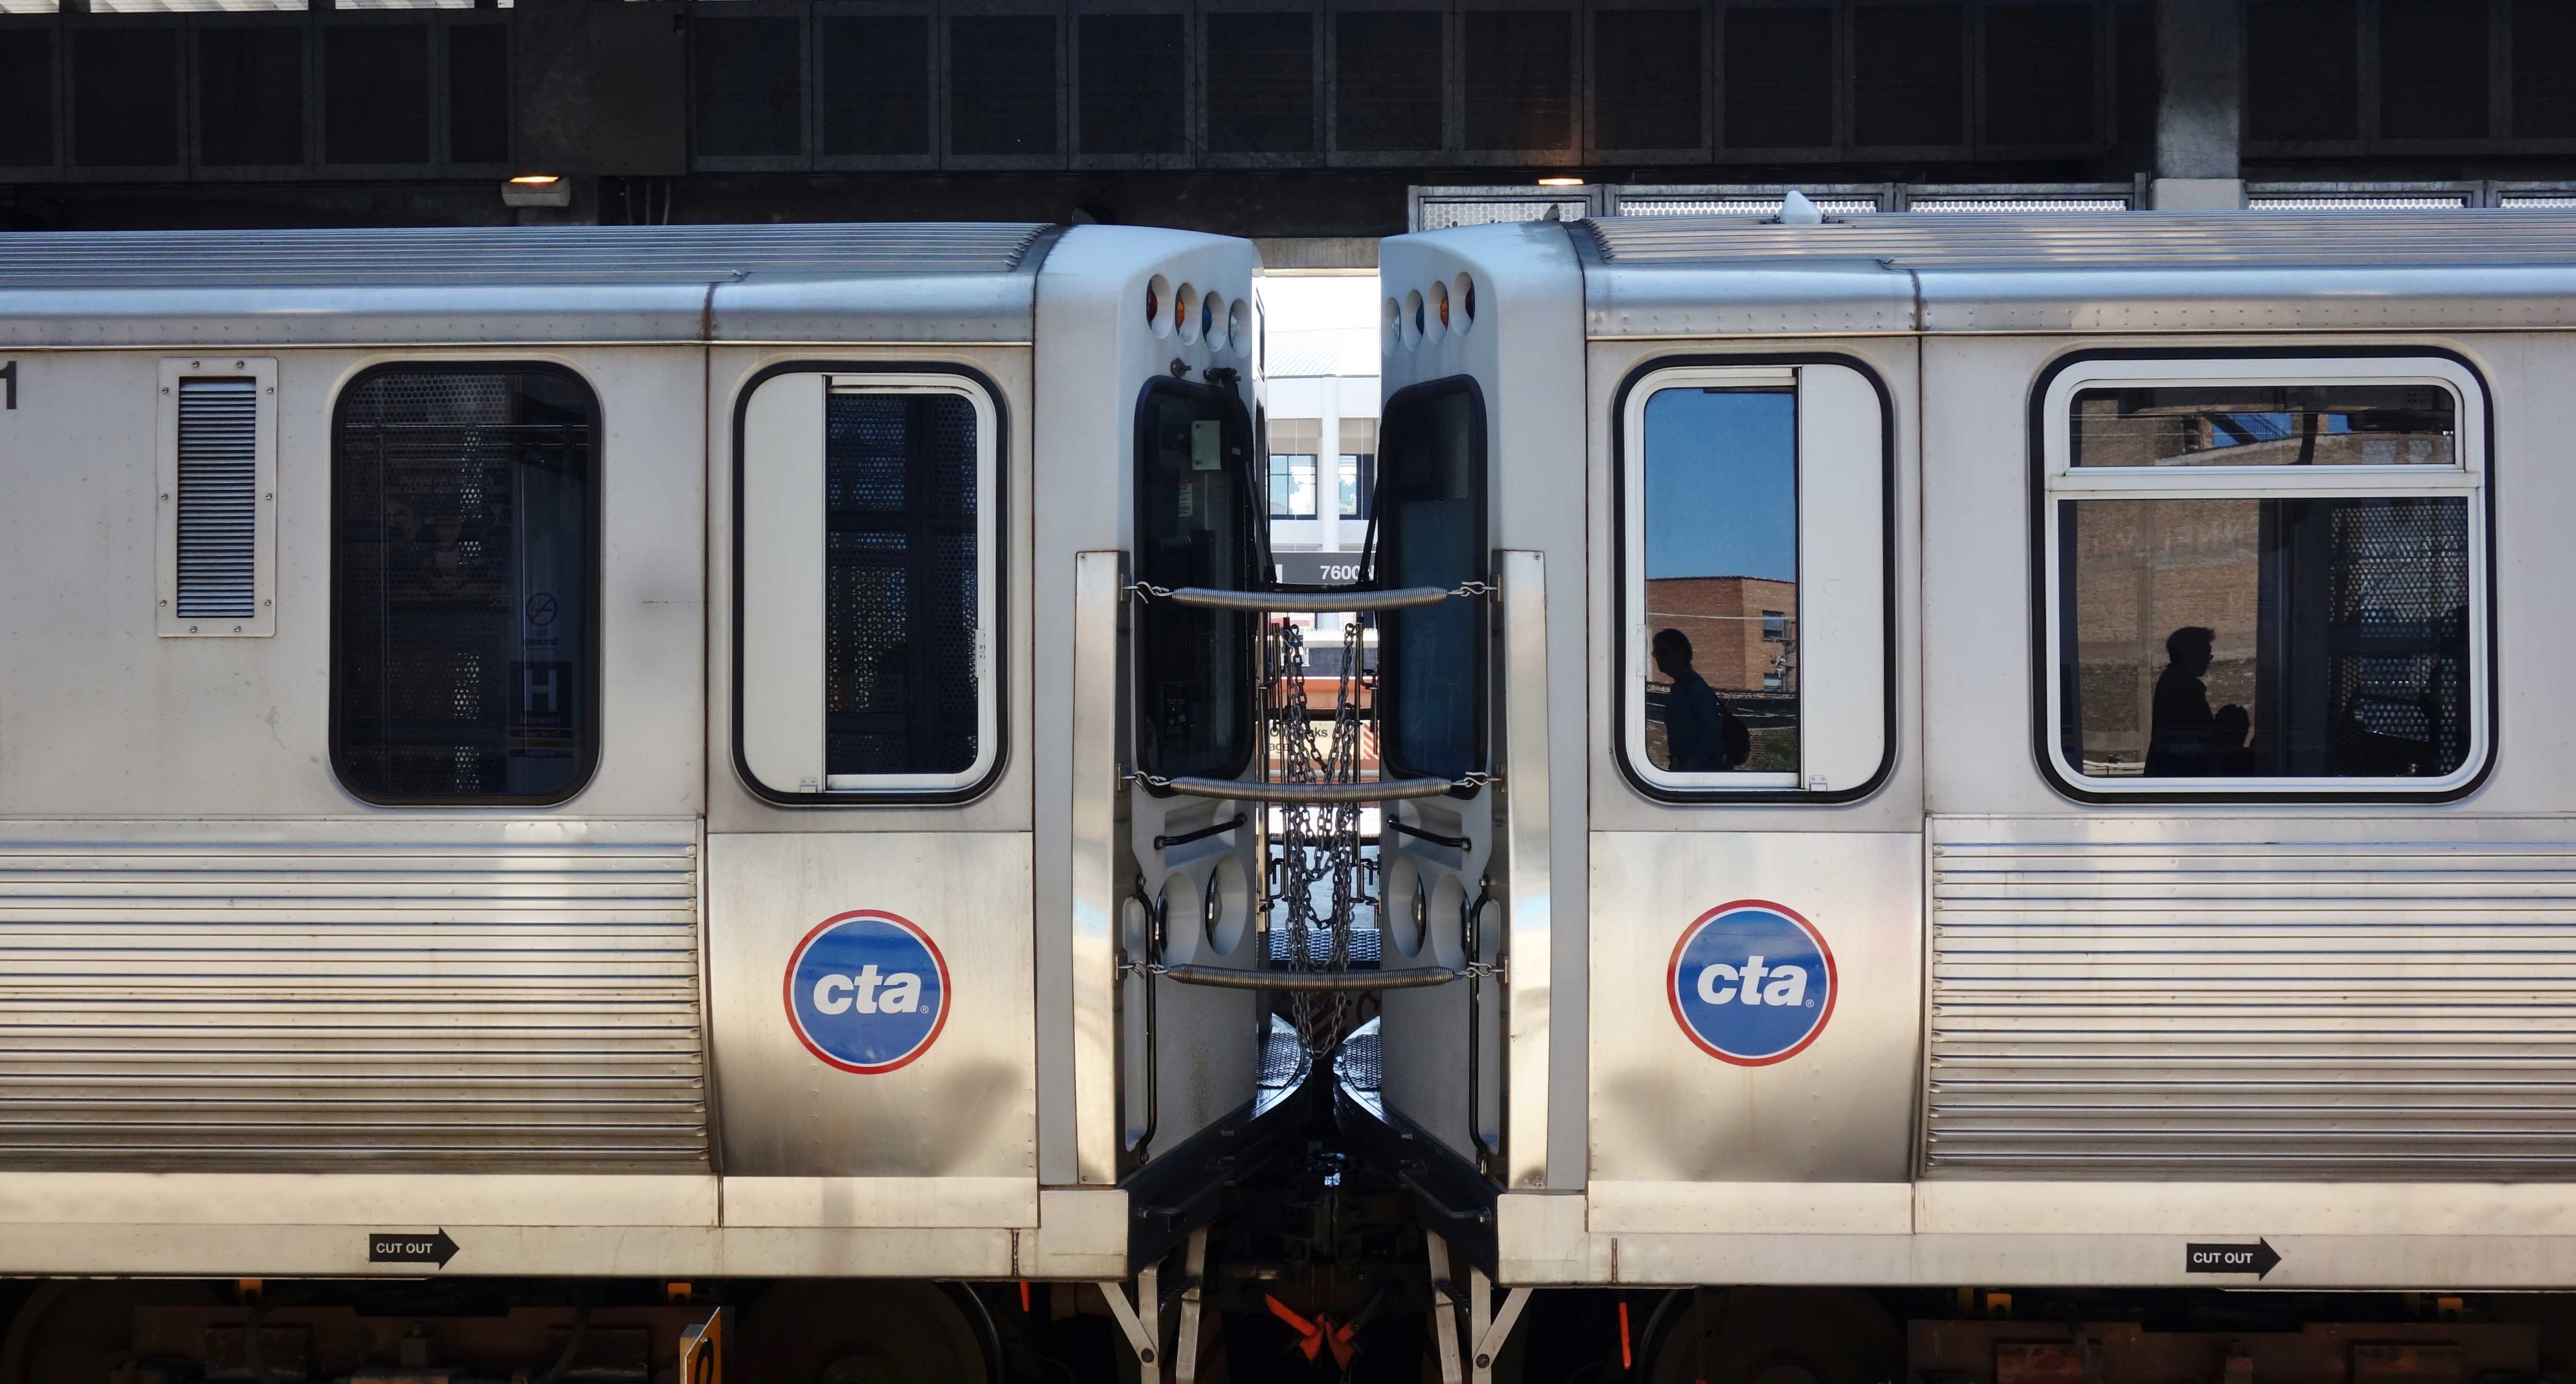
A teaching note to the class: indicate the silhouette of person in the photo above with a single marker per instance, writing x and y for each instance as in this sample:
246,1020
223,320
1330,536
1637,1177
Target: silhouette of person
2185,739
1694,719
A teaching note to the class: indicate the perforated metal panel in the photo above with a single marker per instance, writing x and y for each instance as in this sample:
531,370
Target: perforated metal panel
900,584
2196,1002
493,995
218,498
2398,636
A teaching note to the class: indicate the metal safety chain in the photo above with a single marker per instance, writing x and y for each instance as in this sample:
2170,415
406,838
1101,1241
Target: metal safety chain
1319,843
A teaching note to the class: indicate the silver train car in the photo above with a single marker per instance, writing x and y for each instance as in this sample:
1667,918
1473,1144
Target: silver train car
556,755
2027,751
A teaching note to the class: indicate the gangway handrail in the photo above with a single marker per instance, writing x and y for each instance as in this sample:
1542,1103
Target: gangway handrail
1233,978
1312,794
1265,602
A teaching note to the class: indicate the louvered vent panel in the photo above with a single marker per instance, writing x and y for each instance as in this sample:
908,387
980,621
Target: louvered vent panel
218,498
2227,1009
520,998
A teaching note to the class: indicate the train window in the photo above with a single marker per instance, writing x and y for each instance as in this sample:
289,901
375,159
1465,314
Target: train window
867,552
2266,576
1430,507
1198,523
465,558
1753,555
217,511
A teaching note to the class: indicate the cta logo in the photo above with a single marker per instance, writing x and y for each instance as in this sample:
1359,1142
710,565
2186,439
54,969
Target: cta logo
1751,983
867,991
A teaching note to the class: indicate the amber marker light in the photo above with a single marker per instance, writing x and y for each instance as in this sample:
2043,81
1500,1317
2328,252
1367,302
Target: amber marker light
1560,182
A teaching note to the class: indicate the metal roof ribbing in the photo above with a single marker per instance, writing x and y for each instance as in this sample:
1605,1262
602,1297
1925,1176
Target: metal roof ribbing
2136,240
509,254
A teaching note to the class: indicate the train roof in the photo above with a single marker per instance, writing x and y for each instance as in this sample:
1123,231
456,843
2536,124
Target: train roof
2079,272
914,282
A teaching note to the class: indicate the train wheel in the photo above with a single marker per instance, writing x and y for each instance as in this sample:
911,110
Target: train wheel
843,1332
1773,1336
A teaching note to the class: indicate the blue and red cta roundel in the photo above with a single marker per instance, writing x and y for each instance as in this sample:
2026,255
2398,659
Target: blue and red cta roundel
867,991
1751,982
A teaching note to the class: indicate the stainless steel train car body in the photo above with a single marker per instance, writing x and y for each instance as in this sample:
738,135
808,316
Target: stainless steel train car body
2070,1038
252,1018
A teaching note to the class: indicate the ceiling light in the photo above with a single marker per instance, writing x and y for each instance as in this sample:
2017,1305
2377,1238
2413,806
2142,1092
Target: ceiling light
1560,182
537,190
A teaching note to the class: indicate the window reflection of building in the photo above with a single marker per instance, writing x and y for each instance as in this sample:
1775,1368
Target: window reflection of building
1734,624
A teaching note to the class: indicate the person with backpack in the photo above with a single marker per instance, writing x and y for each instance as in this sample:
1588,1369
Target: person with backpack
1701,734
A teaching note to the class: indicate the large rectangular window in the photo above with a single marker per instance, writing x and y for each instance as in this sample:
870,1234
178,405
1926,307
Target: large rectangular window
1753,559
2267,575
464,605
1358,468
867,543
1294,445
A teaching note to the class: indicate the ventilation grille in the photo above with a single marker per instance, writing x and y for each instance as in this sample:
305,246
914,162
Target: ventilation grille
218,498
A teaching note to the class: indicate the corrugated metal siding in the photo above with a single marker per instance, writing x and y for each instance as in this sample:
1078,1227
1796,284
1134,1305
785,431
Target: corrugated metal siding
2231,1009
327,994
508,254
2136,240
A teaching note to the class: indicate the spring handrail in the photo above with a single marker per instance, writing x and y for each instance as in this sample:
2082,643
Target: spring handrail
1264,602
1311,794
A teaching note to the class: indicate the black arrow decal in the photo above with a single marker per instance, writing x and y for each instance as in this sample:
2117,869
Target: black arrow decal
2258,1258
410,1247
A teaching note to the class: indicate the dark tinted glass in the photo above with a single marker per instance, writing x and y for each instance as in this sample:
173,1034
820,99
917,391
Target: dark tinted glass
125,97
2039,74
478,93
1388,80
1720,478
375,93
1195,521
2301,70
1906,77
1260,83
1646,90
899,678
1431,532
2433,69
463,616
2544,52
1002,85
2320,638
250,95
1519,79
750,86
2278,425
876,84
26,97
1779,79
1132,83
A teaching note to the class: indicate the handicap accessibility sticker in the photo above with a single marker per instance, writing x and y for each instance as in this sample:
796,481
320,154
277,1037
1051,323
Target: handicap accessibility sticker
867,991
1751,983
